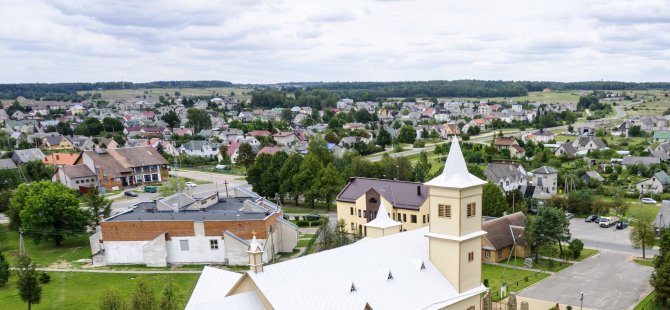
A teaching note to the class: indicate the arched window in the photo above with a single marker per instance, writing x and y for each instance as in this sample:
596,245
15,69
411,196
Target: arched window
372,200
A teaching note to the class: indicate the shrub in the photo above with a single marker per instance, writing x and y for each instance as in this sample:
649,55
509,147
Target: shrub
576,246
419,143
45,278
486,282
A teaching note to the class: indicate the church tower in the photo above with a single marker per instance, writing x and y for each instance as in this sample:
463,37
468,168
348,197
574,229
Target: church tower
455,222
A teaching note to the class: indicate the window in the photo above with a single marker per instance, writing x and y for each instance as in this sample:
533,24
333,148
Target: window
213,244
183,244
487,253
351,211
147,178
353,226
359,213
444,211
154,177
471,256
372,200
412,218
424,219
404,217
365,213
472,209
500,253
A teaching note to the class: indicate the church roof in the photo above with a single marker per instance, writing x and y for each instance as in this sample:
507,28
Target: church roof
255,246
455,173
382,220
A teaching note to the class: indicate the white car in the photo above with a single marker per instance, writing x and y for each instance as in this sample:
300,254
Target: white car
648,201
191,184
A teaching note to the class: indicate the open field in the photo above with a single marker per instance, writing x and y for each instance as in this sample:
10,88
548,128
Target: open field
46,254
240,93
78,290
552,97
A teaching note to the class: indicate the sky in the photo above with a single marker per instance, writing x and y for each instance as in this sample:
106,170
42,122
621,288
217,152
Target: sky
259,41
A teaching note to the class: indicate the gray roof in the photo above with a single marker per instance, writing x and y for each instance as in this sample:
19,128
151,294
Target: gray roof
77,171
401,194
545,170
592,175
662,177
7,164
496,171
632,160
225,210
27,155
194,145
568,148
583,141
54,140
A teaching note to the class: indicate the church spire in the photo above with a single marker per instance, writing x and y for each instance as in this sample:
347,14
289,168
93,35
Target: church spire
382,225
455,173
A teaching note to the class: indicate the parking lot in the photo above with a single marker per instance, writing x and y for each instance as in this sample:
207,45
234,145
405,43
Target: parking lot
608,239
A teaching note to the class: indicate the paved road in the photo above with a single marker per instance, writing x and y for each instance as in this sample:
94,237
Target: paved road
609,280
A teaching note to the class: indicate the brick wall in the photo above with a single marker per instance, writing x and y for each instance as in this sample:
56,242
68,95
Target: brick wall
243,229
144,230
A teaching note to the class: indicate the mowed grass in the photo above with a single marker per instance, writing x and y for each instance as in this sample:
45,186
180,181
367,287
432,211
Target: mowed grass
649,303
46,253
542,264
583,255
78,290
516,279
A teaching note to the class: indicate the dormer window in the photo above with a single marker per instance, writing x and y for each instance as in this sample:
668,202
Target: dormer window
372,200
390,276
352,289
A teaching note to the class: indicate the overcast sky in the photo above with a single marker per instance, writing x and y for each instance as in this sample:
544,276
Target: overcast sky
258,41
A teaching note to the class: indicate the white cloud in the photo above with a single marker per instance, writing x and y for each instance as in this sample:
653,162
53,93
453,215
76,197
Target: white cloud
290,40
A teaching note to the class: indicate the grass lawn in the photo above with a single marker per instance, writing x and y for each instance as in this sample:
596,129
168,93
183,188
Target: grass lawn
78,290
303,243
515,279
45,254
585,252
542,264
644,262
649,303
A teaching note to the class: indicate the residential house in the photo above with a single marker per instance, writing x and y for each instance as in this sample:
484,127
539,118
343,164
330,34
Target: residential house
199,148
285,137
639,160
504,238
592,175
57,143
565,149
7,164
484,109
180,132
353,126
260,133
439,266
123,167
75,176
111,144
182,229
662,136
271,150
232,150
657,184
508,176
545,180
27,155
585,144
540,136
449,129
82,143
60,159
510,144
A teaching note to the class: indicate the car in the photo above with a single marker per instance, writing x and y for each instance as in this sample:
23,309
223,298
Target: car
130,194
648,201
191,184
621,225
150,189
569,215
590,218
312,217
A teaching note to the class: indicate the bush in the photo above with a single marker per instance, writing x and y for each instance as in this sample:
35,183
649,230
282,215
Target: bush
486,282
576,246
419,143
304,223
45,278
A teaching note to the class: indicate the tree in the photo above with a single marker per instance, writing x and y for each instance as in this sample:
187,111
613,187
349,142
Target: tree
493,200
99,206
49,211
27,282
112,301
635,131
64,128
422,168
642,234
407,134
319,148
172,119
332,237
384,138
4,270
548,226
287,174
575,247
111,124
143,297
90,127
245,155
327,184
171,186
37,170
198,120
309,170
223,150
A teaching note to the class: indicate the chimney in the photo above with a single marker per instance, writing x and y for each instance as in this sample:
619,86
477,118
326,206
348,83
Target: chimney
418,190
255,256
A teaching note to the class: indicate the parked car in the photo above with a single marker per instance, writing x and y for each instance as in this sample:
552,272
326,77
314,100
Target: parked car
313,217
569,215
606,222
130,194
150,189
597,220
648,201
621,225
590,218
191,184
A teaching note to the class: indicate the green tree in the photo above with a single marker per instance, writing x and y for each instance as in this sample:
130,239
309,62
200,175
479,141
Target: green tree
169,300
245,156
407,134
223,150
171,186
493,200
660,278
90,127
111,124
332,237
422,168
384,138
27,281
64,128
319,148
4,270
327,184
198,120
575,247
10,179
112,300
37,170
642,234
49,211
287,174
171,119
635,131
99,206
143,297
309,170
549,226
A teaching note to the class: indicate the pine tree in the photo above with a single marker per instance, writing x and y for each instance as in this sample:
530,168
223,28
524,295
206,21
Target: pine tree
4,270
28,284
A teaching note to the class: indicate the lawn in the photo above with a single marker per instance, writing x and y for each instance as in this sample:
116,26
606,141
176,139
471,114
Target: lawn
45,254
542,264
516,279
644,262
304,240
585,252
552,97
649,303
78,290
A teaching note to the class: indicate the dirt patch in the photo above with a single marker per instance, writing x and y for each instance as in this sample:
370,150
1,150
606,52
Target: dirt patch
61,264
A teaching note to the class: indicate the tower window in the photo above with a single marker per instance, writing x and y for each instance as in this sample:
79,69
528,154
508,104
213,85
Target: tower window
471,209
471,256
444,211
424,219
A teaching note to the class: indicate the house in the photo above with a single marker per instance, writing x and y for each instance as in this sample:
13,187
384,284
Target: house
585,144
358,202
285,137
60,159
82,143
260,133
592,175
639,160
182,229
120,168
353,126
75,176
180,132
540,136
484,109
545,180
504,238
57,143
449,129
199,148
656,184
433,267
565,149
507,176
269,150
7,164
27,155
510,144
662,136
232,150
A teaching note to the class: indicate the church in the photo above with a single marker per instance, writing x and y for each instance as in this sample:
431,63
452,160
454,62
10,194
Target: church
434,267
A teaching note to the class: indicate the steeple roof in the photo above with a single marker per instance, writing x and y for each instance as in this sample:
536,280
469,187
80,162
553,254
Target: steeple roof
255,246
455,173
382,220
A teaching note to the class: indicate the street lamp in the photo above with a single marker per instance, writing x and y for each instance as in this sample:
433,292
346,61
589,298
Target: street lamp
581,300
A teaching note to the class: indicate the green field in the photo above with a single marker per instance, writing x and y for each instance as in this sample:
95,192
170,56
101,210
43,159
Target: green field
78,290
542,264
516,279
552,97
46,254
116,94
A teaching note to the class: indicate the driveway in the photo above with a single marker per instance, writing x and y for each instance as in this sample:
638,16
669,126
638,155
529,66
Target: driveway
608,280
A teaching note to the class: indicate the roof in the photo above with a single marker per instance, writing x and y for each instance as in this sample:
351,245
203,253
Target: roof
662,135
54,140
592,175
60,159
254,245
194,145
138,156
498,231
269,150
633,160
401,194
77,171
583,141
105,162
455,173
217,279
28,155
568,148
382,220
260,133
545,170
7,164
496,171
663,177
505,141
325,280
543,132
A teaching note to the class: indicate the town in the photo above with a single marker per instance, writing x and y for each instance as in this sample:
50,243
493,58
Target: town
251,182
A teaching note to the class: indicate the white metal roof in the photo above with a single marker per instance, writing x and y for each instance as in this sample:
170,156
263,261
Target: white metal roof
455,173
212,285
382,220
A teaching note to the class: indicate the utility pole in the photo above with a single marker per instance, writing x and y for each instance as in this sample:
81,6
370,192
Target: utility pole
22,248
225,182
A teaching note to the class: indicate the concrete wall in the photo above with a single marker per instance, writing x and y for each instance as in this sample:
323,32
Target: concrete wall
199,250
286,236
154,252
94,241
124,252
